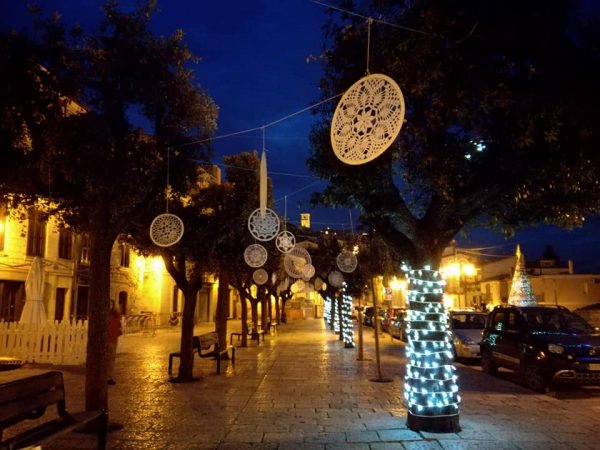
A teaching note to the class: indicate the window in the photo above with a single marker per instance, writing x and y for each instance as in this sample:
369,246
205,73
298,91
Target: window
2,226
65,243
36,234
498,322
59,310
85,249
124,255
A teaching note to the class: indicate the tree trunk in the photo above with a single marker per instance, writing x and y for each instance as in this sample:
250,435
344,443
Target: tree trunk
222,308
244,321
283,314
186,363
264,310
332,315
254,306
376,327
338,301
101,242
277,309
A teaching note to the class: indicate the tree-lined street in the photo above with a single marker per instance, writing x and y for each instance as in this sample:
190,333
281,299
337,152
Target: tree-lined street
302,390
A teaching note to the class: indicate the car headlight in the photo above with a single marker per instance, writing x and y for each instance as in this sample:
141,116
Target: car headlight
558,349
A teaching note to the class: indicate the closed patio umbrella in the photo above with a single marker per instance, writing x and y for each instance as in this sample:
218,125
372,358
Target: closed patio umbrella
34,310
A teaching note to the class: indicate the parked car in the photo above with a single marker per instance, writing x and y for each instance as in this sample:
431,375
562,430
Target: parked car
368,315
398,326
389,316
545,344
466,328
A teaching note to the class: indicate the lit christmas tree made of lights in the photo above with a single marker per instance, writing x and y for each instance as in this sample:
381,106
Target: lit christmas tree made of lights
521,293
430,387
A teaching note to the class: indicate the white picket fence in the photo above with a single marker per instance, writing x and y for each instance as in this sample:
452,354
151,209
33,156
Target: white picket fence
50,343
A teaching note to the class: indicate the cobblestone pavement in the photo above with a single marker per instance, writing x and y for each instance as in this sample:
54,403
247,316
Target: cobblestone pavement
301,389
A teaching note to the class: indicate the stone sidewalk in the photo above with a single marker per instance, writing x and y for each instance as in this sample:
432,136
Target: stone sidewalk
301,389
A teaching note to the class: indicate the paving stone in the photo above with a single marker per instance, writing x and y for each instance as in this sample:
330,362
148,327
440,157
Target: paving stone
301,390
398,435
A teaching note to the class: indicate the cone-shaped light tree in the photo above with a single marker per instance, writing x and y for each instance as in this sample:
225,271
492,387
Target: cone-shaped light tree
496,133
521,293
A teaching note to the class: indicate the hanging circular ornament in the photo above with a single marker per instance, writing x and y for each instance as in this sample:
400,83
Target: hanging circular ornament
260,276
318,284
346,261
166,230
255,255
367,119
299,284
308,271
295,260
335,278
264,228
285,242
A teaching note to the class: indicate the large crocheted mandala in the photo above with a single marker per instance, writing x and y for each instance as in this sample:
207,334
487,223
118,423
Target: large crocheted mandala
166,230
367,119
295,261
335,278
285,241
346,261
263,228
255,255
260,276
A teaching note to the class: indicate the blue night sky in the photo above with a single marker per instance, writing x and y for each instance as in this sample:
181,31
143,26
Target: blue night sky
254,65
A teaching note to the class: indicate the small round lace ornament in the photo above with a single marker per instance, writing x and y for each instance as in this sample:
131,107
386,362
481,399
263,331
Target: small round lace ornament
335,278
255,255
318,284
298,286
166,230
367,119
295,260
346,261
308,271
264,228
285,242
260,276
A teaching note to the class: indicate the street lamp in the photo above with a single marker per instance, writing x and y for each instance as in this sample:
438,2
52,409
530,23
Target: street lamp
460,271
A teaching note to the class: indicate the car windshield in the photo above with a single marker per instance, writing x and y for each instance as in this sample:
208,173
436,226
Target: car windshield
556,320
467,321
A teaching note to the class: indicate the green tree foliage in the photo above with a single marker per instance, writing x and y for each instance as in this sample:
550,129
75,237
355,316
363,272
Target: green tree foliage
500,127
99,166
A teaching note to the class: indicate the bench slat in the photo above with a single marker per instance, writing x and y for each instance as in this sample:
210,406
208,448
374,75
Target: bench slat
28,398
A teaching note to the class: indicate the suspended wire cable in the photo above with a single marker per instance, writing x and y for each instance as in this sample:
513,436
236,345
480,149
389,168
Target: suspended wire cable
297,191
262,127
395,25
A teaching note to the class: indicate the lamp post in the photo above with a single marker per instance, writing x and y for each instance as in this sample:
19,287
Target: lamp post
460,270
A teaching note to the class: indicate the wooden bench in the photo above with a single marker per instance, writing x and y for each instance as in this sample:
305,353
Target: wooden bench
27,398
207,346
250,333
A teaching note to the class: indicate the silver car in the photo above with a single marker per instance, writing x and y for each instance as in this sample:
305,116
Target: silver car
467,328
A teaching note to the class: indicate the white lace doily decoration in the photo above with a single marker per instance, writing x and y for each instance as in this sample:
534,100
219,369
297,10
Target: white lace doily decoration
367,119
335,278
255,255
260,276
285,242
299,285
308,271
346,261
295,260
318,284
263,228
166,230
